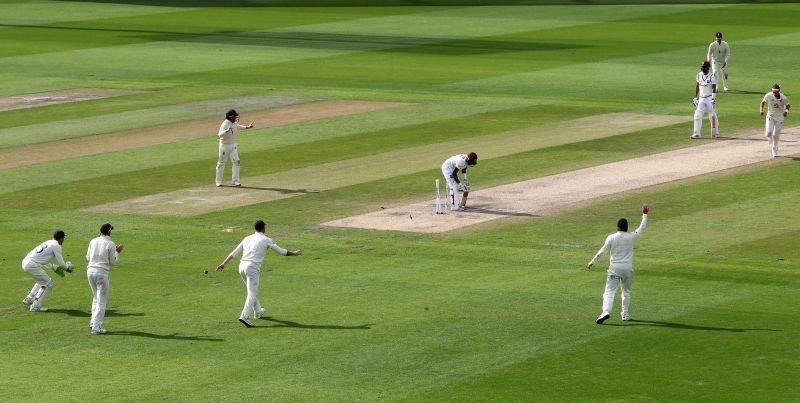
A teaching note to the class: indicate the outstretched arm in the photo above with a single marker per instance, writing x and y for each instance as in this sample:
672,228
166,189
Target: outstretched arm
639,231
230,256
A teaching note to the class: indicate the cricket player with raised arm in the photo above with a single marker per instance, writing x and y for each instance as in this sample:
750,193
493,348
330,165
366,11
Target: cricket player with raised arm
450,170
255,248
620,272
101,255
705,99
34,264
718,54
227,147
777,109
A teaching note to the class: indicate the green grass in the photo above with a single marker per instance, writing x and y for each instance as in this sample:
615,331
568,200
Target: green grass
499,312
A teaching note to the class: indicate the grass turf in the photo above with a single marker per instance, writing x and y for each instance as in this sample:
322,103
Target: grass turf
501,312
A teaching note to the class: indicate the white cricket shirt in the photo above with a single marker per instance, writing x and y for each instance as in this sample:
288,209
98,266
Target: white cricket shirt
46,252
719,52
226,137
705,81
775,106
455,162
255,248
102,253
620,244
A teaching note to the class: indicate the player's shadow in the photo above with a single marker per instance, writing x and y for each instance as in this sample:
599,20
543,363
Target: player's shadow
173,336
277,323
745,92
84,314
673,325
280,190
484,210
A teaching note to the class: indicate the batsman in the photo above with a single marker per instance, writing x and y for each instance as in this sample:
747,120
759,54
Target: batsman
450,170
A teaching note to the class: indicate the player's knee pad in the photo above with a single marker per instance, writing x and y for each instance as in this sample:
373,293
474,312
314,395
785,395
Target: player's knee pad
236,162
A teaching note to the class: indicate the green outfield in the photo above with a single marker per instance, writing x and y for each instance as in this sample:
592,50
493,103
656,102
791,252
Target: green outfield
501,311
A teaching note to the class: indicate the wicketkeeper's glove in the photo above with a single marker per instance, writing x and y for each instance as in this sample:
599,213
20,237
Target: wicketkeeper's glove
60,271
695,101
70,267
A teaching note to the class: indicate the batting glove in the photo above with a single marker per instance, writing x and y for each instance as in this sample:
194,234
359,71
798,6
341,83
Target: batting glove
466,186
460,187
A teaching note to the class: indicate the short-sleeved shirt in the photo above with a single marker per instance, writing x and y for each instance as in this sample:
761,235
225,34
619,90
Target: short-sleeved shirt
705,81
455,162
775,106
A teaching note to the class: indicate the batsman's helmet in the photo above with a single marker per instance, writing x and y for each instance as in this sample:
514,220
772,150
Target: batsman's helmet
231,112
776,86
705,66
472,158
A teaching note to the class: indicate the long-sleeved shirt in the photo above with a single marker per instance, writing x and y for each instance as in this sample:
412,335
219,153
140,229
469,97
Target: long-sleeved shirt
719,52
620,244
46,252
226,136
255,248
102,253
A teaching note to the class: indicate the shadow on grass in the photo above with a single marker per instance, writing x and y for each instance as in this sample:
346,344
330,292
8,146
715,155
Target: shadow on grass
287,323
279,190
745,92
484,210
84,314
173,336
674,325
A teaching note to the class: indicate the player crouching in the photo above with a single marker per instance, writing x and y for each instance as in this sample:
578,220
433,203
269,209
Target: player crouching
450,170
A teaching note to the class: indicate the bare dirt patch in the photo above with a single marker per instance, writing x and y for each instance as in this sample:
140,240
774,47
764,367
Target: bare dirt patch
547,195
38,99
281,185
30,154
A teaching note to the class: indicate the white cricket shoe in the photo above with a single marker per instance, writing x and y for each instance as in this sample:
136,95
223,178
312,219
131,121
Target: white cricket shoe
38,309
219,185
237,184
626,318
602,318
260,313
695,136
726,88
28,301
95,332
246,322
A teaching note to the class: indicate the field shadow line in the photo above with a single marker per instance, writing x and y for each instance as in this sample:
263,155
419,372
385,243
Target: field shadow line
84,314
279,190
673,325
290,324
173,336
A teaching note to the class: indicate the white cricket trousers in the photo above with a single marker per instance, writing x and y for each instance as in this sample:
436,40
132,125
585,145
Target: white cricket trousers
716,67
43,286
453,189
98,282
705,105
773,133
228,151
618,275
251,274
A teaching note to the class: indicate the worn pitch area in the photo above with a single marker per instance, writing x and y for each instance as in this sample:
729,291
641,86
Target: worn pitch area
280,185
30,154
23,101
544,196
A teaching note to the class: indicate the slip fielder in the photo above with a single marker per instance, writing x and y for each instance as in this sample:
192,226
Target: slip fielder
227,147
450,170
101,255
34,264
777,109
705,97
718,54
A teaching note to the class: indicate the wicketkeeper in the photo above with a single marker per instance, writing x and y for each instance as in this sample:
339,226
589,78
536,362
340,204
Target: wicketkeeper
34,264
450,170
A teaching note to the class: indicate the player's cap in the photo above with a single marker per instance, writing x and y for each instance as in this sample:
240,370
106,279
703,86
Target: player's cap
231,112
776,87
260,225
472,158
59,234
718,35
106,228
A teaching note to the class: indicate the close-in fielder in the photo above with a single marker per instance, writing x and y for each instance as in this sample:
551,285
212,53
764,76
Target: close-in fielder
34,264
255,248
450,170
620,271
101,255
777,109
718,54
705,93
227,147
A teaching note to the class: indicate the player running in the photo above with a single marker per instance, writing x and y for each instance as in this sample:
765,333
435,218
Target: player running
450,170
777,110
705,97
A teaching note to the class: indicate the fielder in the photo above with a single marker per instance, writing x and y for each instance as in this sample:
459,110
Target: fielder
620,271
777,109
255,248
227,146
705,98
34,264
101,255
718,54
450,170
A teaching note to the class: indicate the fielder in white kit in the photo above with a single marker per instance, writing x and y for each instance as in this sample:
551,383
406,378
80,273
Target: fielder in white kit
227,147
450,170
255,248
718,54
34,264
620,272
705,93
777,109
101,255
